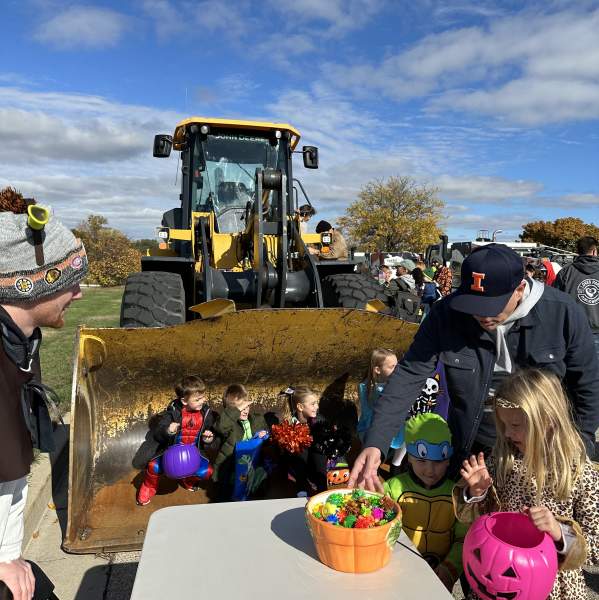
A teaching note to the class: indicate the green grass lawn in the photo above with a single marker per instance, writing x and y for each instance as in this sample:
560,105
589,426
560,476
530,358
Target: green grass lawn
99,307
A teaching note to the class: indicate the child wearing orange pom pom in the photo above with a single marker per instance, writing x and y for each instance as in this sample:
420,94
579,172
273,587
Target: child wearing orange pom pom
307,467
301,405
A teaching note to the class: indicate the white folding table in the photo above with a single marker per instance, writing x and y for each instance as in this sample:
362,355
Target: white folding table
262,550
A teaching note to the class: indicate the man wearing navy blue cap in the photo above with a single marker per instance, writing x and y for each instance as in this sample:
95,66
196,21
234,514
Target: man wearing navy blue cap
497,321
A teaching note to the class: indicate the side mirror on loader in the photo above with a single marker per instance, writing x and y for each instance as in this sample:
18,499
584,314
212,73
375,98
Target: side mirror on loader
310,157
162,145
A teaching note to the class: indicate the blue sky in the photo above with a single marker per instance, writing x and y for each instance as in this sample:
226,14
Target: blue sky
496,104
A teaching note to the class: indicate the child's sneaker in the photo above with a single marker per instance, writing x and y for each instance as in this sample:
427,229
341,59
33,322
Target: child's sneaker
190,484
145,494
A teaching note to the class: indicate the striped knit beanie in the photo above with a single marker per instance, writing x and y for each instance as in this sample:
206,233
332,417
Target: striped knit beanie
35,263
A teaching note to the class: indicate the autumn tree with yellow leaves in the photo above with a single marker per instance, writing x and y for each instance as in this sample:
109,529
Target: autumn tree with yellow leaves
110,252
393,215
562,233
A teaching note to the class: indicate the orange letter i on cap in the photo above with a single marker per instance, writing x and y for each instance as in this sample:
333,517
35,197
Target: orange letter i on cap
478,278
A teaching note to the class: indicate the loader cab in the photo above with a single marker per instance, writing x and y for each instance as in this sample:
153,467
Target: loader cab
223,167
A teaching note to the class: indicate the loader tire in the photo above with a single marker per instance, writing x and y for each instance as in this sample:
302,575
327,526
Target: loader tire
351,290
153,299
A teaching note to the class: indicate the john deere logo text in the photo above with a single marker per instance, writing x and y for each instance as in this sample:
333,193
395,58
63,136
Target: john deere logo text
477,278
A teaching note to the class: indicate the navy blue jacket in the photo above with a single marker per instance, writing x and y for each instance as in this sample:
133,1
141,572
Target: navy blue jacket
554,336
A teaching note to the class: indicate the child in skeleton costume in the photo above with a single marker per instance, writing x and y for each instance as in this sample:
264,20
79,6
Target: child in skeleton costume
424,494
539,467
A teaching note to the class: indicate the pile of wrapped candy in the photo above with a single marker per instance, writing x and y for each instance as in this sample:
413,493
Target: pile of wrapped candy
357,510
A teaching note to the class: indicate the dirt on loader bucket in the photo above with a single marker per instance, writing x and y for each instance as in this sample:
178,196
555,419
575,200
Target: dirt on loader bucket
124,376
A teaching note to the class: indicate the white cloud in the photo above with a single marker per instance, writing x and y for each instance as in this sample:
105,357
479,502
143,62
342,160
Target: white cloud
239,22
83,27
464,226
63,103
54,138
132,203
571,201
447,11
340,16
581,199
227,16
169,20
75,127
485,189
227,91
530,101
13,79
529,68
281,50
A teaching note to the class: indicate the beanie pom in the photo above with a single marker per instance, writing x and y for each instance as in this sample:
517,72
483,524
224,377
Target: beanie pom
12,201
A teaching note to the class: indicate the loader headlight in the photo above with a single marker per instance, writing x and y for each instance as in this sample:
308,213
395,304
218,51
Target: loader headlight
163,233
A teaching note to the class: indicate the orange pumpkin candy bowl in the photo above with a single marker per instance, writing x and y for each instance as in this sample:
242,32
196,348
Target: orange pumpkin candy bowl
352,549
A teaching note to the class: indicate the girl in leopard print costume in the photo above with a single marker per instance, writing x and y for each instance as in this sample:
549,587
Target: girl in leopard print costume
539,466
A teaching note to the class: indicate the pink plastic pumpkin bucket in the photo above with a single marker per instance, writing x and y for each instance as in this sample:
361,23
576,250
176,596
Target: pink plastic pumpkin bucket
506,557
181,460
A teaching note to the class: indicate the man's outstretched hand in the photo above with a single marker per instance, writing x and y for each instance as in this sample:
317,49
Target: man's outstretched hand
365,471
18,577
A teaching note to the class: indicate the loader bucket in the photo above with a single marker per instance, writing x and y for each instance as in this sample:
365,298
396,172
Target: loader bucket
124,376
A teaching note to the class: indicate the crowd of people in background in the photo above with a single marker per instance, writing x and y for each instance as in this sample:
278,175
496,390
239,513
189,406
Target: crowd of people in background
429,283
412,287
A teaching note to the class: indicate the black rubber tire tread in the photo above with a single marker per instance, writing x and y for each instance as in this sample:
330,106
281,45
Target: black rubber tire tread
153,299
351,290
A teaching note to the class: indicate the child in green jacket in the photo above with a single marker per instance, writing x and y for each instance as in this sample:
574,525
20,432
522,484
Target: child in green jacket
236,424
424,494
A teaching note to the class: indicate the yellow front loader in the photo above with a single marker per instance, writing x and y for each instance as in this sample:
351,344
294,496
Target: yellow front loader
233,294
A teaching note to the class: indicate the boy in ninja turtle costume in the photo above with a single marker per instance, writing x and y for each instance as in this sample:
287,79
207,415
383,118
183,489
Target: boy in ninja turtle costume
424,494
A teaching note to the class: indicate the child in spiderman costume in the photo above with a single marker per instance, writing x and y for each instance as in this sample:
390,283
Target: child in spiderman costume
187,420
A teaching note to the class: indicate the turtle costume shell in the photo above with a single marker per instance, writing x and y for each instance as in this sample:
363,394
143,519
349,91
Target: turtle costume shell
427,516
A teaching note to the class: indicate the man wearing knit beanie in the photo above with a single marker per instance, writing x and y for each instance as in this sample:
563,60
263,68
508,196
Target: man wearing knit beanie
41,266
336,249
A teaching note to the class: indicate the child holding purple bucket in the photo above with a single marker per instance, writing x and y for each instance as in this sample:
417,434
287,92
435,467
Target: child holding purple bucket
187,420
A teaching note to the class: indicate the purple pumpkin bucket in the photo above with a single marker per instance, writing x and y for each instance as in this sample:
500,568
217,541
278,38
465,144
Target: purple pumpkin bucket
506,556
181,460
